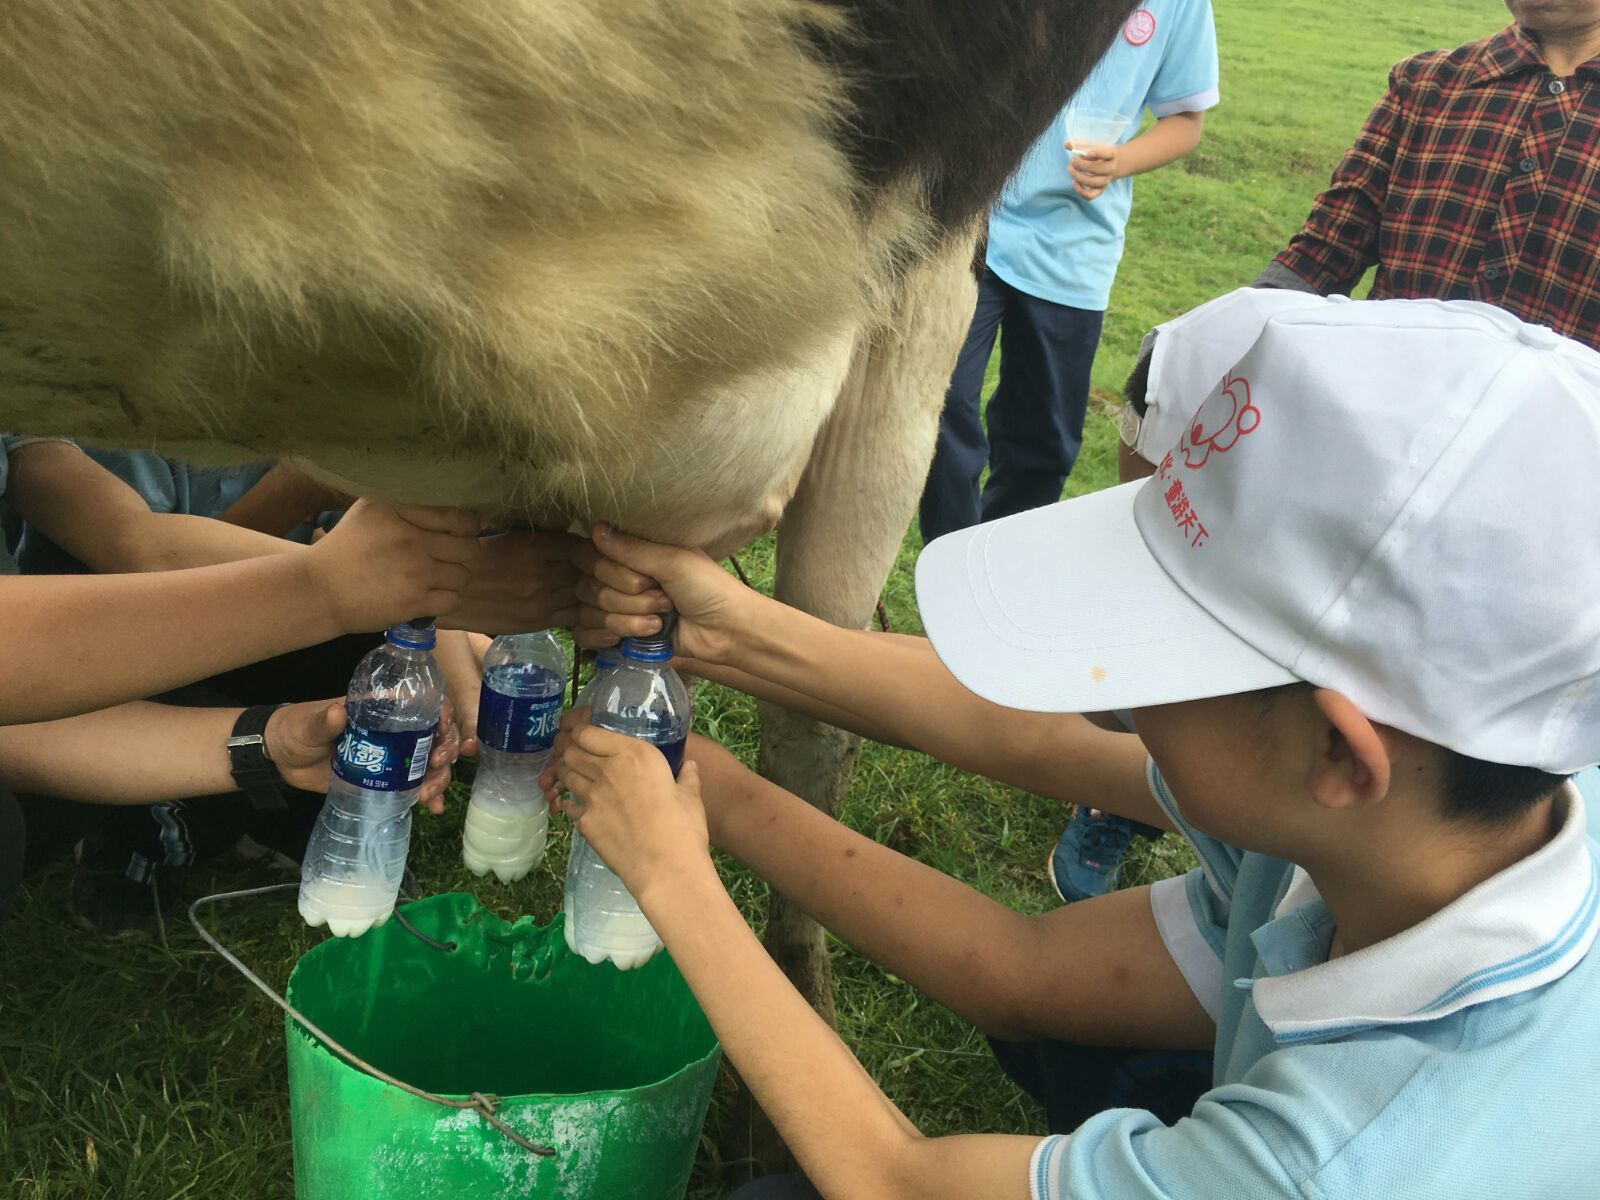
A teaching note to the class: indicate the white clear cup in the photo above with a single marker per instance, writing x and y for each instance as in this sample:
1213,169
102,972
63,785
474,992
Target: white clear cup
1093,126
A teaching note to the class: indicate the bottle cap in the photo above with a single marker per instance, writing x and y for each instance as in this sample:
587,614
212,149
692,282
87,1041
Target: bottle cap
415,634
655,648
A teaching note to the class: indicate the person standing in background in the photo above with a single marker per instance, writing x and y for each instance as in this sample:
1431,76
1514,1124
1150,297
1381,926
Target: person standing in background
1055,239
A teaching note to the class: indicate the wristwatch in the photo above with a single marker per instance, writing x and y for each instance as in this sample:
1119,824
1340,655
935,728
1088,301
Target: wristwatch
250,765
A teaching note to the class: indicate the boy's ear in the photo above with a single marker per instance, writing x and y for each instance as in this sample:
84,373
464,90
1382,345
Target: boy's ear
1353,765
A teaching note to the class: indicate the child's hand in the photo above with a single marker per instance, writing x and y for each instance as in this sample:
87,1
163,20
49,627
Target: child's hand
647,826
460,658
382,565
626,583
300,738
549,782
1093,167
523,580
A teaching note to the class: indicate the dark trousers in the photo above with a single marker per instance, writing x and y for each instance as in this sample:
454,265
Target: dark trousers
778,1187
135,840
1072,1083
1035,415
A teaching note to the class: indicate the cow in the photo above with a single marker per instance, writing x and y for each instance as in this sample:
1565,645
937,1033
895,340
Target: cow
698,268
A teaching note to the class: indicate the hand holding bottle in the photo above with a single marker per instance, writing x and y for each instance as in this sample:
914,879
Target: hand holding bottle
626,583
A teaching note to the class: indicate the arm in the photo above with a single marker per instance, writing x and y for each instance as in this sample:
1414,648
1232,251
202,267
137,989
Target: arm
1106,977
1067,974
98,519
847,1135
884,686
81,642
147,753
863,681
281,500
1339,240
1169,139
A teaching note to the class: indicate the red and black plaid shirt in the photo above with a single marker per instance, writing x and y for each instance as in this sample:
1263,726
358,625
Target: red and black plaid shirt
1477,177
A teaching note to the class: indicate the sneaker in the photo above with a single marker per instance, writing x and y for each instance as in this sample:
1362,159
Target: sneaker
115,904
1088,857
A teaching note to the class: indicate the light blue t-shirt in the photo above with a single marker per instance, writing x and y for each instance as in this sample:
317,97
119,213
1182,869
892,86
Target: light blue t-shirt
1454,1061
1047,241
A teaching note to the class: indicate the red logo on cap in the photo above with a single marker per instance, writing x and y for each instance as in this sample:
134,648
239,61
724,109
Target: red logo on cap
1223,419
1140,27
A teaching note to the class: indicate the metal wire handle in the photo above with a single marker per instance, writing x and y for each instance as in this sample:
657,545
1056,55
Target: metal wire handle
478,1102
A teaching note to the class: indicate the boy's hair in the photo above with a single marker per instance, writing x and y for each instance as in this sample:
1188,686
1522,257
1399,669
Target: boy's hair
1476,792
1492,794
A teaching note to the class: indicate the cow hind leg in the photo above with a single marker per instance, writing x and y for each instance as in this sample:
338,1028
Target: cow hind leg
836,544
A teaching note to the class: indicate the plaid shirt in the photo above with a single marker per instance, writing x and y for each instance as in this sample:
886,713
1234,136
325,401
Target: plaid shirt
1477,177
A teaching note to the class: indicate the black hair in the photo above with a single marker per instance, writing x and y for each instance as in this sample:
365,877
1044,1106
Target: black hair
952,93
1492,794
1486,794
1137,386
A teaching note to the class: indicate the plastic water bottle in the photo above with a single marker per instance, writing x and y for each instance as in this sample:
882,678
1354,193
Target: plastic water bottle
519,715
357,854
644,698
605,661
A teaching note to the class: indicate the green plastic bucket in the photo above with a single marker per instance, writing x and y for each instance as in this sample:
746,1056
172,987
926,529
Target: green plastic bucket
611,1069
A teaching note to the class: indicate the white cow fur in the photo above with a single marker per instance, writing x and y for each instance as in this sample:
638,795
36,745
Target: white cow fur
552,258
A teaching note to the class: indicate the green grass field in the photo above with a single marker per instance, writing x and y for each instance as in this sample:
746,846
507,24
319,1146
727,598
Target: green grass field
153,1072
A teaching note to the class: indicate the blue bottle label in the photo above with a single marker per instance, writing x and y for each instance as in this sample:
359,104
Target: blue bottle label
518,724
382,761
673,753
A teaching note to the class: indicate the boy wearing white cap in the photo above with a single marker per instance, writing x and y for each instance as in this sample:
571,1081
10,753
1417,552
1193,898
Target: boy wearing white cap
1353,612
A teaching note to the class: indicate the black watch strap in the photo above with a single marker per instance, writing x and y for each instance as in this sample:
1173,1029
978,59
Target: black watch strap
252,770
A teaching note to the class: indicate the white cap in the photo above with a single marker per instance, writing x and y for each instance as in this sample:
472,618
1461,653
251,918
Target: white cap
1191,353
1394,499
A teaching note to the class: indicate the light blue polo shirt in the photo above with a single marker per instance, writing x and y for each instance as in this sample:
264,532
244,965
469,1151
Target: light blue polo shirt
1044,239
1454,1061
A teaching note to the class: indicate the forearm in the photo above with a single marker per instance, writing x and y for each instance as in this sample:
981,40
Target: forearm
847,1136
850,677
794,701
840,1126
1168,140
894,689
281,500
135,753
175,541
78,642
105,524
957,945
1096,972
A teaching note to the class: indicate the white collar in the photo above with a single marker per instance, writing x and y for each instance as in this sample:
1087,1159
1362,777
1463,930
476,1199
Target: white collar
1520,929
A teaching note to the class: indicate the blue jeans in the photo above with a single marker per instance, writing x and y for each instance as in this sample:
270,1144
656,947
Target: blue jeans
1035,415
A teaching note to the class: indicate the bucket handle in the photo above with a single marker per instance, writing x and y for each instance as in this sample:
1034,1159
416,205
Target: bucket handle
478,1102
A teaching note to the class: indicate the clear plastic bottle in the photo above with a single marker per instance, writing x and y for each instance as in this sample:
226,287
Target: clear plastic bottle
519,714
644,698
357,853
605,661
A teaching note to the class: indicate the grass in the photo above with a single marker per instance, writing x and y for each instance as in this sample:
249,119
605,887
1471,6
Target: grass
154,1072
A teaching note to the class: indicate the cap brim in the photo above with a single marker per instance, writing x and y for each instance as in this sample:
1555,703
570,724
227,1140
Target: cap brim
1063,609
